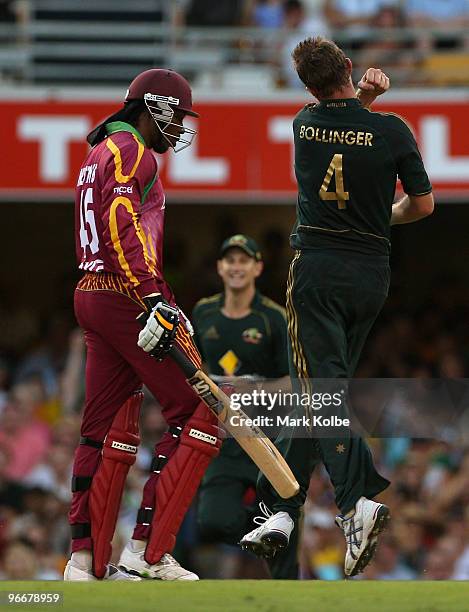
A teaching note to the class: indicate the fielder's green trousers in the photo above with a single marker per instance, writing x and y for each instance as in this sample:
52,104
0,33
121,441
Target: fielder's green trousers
223,517
333,299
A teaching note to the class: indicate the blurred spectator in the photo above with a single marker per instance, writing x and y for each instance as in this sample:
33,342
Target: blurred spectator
322,547
355,14
48,359
14,10
394,56
297,26
11,491
387,564
7,11
315,8
21,433
441,559
19,562
440,13
66,431
450,365
71,384
274,249
267,14
19,325
4,382
461,566
219,13
54,474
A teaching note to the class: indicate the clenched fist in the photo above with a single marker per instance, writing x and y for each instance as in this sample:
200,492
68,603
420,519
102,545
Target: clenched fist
372,84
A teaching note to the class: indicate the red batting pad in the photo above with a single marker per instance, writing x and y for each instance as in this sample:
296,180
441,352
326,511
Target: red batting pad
180,479
119,453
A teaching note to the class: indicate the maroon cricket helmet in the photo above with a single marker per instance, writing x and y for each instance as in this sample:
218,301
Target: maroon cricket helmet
162,83
163,91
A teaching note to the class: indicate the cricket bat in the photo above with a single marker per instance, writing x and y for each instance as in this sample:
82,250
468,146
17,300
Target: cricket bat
251,439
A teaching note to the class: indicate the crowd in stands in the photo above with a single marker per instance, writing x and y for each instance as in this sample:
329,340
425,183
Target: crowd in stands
41,397
417,42
369,30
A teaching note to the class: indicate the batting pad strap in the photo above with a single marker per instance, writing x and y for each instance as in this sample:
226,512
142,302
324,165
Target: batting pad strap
81,483
179,481
158,463
145,516
175,430
80,530
85,441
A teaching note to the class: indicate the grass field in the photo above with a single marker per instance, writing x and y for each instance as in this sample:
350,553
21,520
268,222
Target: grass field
250,595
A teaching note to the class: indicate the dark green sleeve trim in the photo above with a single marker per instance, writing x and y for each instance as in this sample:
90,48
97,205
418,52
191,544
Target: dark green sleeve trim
419,194
148,187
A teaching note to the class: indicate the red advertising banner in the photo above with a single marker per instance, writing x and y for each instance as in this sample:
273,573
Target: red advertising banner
242,153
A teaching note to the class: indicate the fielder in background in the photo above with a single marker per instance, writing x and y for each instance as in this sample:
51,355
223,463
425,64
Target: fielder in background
347,160
119,242
239,332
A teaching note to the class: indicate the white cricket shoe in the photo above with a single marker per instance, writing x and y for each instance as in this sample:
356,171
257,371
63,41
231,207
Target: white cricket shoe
75,573
361,532
167,567
272,534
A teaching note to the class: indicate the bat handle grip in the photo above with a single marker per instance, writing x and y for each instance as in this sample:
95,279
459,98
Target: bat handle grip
183,362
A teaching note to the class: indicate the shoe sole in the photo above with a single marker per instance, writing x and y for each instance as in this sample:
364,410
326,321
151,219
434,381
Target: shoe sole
146,576
381,522
132,572
270,543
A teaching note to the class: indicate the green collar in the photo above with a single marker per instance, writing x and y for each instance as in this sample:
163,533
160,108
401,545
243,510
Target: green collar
122,126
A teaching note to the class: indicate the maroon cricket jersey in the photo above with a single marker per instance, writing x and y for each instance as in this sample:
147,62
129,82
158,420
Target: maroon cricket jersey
119,215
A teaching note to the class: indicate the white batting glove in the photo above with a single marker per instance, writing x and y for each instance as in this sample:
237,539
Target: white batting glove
160,328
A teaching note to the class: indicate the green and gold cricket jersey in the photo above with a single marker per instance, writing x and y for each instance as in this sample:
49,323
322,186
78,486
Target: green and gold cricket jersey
255,344
347,161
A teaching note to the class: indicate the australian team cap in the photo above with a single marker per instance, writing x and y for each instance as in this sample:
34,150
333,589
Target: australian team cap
243,242
161,82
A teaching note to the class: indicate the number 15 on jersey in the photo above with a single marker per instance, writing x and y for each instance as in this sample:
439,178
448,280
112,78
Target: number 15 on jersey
87,219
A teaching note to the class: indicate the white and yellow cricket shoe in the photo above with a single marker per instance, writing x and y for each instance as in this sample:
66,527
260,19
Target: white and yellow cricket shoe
133,562
74,571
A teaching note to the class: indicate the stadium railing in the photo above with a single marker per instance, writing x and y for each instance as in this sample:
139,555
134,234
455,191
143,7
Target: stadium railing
110,52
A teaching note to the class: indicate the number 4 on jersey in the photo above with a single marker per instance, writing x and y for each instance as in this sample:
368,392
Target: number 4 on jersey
340,195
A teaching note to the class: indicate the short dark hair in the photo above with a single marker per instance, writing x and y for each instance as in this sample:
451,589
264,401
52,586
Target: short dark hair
321,65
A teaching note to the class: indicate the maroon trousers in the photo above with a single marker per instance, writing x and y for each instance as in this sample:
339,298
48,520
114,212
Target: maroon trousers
115,368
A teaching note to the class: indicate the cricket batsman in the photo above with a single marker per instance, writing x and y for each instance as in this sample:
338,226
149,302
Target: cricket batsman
130,321
347,161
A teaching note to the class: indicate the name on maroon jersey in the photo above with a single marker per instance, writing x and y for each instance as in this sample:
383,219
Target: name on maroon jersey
87,174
